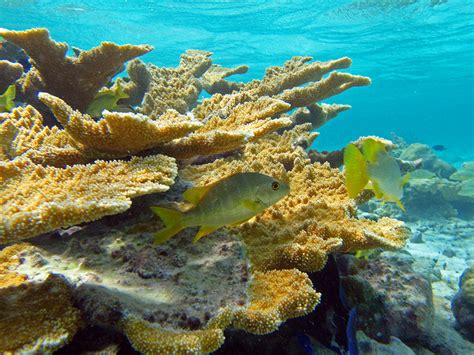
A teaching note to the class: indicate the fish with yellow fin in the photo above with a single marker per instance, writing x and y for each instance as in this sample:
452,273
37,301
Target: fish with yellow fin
373,168
106,99
6,99
228,202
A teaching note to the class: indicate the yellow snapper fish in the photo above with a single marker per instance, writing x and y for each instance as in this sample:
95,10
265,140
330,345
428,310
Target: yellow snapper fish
6,100
106,99
228,202
373,168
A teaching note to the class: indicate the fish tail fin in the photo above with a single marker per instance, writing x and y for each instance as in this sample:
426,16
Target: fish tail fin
355,170
405,179
400,204
9,96
173,221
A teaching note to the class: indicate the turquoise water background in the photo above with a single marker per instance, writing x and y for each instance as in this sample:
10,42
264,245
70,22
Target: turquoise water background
419,56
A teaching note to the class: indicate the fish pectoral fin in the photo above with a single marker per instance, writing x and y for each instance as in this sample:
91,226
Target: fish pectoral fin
167,233
377,190
239,222
195,194
253,205
405,179
203,231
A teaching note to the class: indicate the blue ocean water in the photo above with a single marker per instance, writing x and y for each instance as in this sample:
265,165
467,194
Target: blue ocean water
419,54
420,57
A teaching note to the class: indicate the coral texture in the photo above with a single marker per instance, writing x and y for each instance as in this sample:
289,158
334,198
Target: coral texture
389,294
276,296
256,109
76,80
246,122
22,133
178,297
9,73
213,79
317,114
35,317
118,133
137,83
463,304
38,199
153,340
315,219
176,88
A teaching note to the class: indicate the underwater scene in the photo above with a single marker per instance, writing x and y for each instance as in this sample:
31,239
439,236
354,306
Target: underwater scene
237,177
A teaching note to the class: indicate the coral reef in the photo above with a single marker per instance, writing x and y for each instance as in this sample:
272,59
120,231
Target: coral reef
75,80
317,114
178,297
9,73
315,219
137,83
117,133
246,122
463,304
213,79
387,308
430,161
38,199
273,300
22,133
176,88
35,317
466,176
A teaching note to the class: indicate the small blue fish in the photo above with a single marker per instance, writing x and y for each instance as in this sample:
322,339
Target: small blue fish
305,343
351,331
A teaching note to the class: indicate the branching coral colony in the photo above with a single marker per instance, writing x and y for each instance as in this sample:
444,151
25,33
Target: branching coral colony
179,297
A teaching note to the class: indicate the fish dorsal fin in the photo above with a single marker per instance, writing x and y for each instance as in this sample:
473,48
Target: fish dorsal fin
203,231
371,148
195,194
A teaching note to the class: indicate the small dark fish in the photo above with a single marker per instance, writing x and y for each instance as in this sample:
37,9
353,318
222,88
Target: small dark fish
439,147
351,331
305,343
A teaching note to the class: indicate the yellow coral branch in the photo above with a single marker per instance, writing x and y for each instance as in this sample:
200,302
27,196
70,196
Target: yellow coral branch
22,133
120,133
36,199
276,296
35,317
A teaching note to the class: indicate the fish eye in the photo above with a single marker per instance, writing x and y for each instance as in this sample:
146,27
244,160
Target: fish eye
275,185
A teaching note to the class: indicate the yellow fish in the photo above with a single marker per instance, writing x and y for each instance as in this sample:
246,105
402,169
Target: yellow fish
106,99
373,168
228,202
6,100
